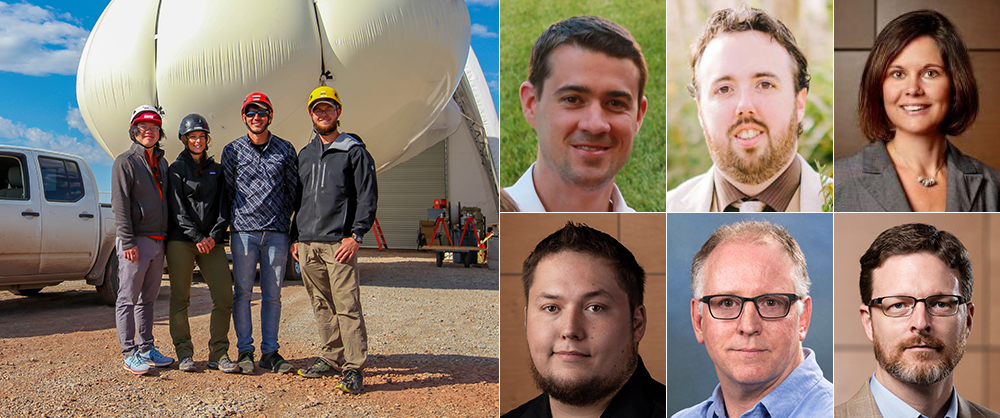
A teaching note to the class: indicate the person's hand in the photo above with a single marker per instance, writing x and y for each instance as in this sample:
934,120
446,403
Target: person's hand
348,247
295,251
131,254
205,245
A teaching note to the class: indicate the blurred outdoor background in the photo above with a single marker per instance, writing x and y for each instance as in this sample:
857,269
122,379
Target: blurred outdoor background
811,21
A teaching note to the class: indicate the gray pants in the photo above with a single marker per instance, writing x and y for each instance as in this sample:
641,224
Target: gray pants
139,284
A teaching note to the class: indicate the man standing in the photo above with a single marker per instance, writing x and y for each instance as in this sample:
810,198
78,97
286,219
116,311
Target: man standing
751,309
260,173
583,320
916,307
138,200
338,201
584,97
750,82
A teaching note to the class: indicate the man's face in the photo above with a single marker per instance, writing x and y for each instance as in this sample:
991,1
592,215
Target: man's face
324,117
748,106
586,116
918,349
149,133
257,122
581,334
751,351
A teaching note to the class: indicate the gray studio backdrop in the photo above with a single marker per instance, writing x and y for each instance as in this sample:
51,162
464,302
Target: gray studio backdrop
691,375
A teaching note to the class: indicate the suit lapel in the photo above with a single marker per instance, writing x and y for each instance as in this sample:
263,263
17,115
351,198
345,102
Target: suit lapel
964,182
879,179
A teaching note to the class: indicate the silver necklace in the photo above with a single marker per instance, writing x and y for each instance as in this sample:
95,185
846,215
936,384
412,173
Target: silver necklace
929,181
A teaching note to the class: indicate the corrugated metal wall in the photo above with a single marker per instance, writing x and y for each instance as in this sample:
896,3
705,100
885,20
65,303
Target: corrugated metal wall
406,192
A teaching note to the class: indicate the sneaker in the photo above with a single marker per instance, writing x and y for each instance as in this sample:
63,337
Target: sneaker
227,366
351,383
135,364
245,362
186,364
154,358
318,369
275,363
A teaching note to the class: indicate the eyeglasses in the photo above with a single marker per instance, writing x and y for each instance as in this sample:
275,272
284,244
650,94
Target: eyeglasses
263,113
769,306
329,111
902,306
147,128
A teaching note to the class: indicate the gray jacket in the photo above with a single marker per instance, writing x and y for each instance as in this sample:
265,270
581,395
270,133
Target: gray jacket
867,182
138,205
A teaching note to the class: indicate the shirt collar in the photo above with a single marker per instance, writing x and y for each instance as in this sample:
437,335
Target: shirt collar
784,399
892,407
777,195
524,194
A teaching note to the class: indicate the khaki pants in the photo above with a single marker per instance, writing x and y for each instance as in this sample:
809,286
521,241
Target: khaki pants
334,290
181,256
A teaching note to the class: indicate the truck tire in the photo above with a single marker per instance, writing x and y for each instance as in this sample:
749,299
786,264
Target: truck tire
108,290
292,270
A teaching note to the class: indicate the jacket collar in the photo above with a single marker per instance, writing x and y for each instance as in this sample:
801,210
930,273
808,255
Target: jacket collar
880,179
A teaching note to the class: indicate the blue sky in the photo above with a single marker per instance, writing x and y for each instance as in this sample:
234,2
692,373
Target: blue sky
40,47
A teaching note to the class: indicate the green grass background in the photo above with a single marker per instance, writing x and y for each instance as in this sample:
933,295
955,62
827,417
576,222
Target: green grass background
643,179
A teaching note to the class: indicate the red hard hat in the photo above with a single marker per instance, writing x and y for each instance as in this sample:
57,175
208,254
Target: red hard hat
257,98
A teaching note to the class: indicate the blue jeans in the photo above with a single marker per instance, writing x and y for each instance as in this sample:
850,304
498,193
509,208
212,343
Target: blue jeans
271,250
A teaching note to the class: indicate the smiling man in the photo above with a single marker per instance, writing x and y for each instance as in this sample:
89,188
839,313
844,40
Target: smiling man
583,320
751,309
584,97
916,308
750,82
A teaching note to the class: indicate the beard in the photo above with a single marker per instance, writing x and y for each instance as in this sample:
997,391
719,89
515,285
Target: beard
586,391
758,165
325,130
920,372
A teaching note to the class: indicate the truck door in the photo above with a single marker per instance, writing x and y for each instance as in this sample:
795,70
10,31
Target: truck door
71,219
20,222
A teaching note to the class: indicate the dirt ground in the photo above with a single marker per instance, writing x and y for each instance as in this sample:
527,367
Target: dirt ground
433,352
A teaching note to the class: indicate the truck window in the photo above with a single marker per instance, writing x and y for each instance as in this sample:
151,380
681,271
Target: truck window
12,178
61,179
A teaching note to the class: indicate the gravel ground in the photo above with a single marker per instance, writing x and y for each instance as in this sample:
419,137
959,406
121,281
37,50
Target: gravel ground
433,352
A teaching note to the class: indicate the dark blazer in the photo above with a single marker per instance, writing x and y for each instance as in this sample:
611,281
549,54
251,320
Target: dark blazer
862,405
867,182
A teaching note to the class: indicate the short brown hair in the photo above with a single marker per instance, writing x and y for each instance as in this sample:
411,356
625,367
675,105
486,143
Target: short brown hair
963,105
916,238
588,32
743,19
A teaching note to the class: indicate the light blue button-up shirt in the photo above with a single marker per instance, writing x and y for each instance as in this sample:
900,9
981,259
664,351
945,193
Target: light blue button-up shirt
892,407
804,393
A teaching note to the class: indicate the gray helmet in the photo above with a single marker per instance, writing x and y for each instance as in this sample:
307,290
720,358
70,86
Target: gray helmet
190,123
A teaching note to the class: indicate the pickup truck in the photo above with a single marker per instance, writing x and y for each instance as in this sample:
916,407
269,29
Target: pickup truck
52,225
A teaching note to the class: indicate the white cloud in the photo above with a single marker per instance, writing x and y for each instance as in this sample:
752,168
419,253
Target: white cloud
37,138
483,2
494,84
75,120
482,31
35,41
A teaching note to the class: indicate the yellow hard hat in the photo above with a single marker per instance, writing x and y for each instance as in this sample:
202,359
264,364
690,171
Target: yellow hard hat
323,94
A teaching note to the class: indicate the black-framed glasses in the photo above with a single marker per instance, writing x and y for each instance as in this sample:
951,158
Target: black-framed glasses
903,306
262,112
769,306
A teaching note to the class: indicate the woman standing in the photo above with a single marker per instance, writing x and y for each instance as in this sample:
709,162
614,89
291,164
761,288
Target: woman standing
197,231
917,89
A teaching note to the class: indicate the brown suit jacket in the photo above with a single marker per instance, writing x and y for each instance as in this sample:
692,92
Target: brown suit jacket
862,405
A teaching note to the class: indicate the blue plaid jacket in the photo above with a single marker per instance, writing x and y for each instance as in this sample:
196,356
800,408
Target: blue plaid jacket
260,186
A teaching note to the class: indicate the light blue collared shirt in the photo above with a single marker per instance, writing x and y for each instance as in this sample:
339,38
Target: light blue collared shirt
892,407
804,393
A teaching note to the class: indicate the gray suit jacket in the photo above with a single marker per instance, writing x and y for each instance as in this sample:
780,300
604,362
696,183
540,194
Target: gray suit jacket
867,182
862,405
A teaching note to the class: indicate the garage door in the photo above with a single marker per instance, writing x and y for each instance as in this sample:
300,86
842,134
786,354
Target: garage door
406,192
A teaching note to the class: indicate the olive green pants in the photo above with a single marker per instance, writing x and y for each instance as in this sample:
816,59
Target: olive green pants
334,291
181,256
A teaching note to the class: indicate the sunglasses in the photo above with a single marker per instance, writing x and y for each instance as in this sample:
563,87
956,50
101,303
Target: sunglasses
262,113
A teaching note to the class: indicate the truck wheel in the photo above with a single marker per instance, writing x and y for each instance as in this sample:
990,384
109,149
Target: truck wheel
292,270
108,290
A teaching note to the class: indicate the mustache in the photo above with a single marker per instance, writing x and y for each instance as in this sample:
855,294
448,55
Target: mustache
744,120
584,138
924,341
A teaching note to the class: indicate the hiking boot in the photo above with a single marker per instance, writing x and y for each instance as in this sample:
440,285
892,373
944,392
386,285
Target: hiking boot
352,382
154,358
186,364
225,365
245,362
274,362
135,364
318,369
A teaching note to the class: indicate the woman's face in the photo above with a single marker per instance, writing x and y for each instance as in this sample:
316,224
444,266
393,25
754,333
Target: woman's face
916,89
196,142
